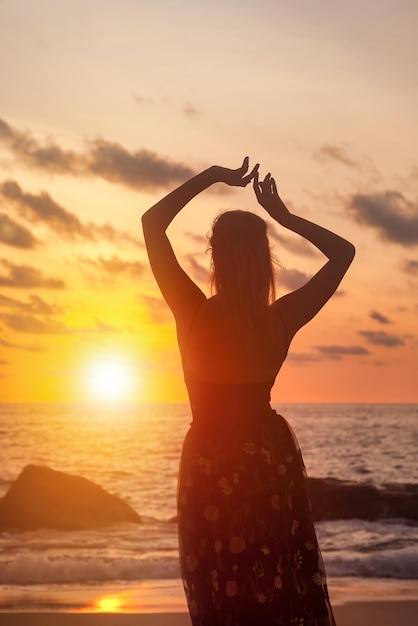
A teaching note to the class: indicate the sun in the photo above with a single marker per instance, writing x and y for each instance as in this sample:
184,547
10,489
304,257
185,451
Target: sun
110,379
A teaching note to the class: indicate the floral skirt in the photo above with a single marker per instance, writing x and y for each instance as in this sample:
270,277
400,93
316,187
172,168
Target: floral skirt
248,550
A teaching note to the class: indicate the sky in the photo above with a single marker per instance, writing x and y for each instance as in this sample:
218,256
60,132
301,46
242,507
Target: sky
108,105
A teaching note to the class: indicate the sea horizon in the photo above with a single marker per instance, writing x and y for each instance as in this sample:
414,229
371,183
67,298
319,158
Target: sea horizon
113,404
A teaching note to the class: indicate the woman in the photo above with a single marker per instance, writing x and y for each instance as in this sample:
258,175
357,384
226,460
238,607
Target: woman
248,550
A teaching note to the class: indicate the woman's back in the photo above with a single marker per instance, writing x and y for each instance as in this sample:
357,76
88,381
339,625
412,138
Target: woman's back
216,349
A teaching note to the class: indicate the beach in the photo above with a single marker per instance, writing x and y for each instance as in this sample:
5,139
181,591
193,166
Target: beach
355,603
383,613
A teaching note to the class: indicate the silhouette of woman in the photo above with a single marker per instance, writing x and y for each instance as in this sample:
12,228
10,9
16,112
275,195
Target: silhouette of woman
248,550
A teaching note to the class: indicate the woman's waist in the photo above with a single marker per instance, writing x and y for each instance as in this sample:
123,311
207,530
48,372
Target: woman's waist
258,424
231,401
229,404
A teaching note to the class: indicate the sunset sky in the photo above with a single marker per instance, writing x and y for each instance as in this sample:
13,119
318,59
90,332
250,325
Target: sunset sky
106,105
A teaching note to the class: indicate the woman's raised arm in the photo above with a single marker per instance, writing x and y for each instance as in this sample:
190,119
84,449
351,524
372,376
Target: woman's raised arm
300,306
180,292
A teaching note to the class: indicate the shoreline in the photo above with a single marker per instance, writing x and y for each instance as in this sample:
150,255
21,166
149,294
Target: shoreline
355,601
167,596
361,613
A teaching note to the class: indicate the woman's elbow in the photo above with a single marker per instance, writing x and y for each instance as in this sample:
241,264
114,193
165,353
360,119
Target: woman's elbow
351,251
145,219
149,223
348,255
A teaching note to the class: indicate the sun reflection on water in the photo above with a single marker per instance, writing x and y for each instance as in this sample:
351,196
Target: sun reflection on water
162,596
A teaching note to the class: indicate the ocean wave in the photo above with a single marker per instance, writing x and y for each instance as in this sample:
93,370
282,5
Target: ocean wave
399,564
39,569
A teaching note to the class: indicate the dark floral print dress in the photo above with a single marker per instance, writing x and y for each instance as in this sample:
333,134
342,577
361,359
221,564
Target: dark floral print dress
248,550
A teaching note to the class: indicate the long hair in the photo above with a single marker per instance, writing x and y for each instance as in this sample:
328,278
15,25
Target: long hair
242,265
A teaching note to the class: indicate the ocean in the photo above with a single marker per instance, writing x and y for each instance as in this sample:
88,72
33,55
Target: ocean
133,451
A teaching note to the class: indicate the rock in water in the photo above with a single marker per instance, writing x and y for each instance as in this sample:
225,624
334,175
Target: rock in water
337,499
41,497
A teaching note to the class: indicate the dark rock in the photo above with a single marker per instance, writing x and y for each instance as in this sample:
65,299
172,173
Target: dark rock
44,498
401,501
336,499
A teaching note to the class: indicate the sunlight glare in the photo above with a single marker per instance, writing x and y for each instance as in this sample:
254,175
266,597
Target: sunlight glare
109,604
110,379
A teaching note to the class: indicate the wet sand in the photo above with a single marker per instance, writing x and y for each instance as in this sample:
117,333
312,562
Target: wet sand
383,613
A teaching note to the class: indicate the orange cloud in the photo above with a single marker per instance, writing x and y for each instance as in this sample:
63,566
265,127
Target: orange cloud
27,277
141,169
41,208
13,234
35,305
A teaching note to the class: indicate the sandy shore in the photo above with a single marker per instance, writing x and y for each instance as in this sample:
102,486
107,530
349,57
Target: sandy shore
381,613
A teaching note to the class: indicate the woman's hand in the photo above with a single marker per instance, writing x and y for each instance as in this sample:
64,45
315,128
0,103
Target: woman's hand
267,196
235,178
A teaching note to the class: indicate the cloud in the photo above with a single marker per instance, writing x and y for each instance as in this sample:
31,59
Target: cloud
42,209
18,346
110,233
199,239
333,352
187,108
141,100
141,169
334,153
26,277
339,155
33,325
115,265
190,110
292,279
411,267
379,318
336,352
36,305
48,156
390,214
301,358
381,338
15,235
197,271
157,309
298,246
